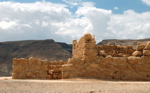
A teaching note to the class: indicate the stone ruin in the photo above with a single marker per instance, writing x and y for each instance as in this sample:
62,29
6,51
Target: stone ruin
108,62
33,68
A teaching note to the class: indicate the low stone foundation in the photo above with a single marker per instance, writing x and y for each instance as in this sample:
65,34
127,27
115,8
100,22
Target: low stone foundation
109,68
33,68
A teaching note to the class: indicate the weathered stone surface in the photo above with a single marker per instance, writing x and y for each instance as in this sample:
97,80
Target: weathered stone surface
33,68
146,52
30,75
107,62
147,47
140,47
87,36
137,53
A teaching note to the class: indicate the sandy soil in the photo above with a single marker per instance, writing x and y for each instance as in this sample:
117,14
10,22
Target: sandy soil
8,85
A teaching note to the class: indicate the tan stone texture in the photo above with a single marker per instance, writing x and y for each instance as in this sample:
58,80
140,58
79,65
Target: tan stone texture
140,47
33,68
107,61
146,52
147,47
137,53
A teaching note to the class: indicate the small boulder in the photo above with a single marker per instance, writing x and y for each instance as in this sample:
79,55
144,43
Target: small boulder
147,47
137,53
140,47
146,52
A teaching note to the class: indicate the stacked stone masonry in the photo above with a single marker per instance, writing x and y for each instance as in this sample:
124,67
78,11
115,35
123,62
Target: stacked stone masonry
108,62
33,68
112,62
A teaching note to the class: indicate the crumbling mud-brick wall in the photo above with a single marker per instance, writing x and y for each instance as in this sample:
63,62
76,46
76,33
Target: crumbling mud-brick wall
33,68
90,62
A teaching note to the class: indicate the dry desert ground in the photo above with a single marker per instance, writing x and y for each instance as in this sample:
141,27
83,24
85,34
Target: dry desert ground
8,85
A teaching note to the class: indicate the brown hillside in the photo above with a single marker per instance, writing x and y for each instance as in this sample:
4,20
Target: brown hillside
43,49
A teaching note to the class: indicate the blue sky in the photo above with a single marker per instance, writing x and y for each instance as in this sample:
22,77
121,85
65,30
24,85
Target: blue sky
64,20
122,5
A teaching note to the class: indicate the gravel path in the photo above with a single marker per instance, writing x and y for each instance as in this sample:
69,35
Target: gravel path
7,85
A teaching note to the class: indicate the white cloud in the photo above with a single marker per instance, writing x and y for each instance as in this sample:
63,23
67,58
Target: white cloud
146,2
98,19
45,20
88,4
130,25
116,8
21,21
73,2
7,25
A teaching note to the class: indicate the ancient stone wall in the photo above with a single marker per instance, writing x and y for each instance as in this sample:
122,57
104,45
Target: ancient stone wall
85,48
115,50
109,62
111,68
112,62
33,68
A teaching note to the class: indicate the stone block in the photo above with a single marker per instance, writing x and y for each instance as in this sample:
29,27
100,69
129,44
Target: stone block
42,75
67,67
147,47
134,60
54,63
137,53
44,62
30,75
17,68
140,47
36,68
67,75
89,45
87,36
44,68
146,52
22,75
93,66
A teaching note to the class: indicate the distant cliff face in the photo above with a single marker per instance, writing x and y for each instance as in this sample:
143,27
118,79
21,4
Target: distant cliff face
43,49
67,47
127,42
